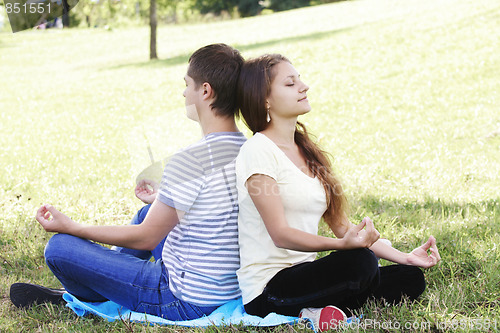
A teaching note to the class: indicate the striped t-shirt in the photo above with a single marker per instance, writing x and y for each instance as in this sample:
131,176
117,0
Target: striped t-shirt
201,253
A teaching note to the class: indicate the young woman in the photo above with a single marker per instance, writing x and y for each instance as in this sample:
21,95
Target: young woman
285,186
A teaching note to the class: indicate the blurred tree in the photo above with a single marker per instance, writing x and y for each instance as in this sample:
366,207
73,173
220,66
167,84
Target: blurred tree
95,12
214,6
245,7
317,2
249,7
279,5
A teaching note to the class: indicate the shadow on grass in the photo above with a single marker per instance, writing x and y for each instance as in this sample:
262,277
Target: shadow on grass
435,207
183,58
466,233
467,236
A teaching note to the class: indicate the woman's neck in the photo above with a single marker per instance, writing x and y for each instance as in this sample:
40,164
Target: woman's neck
282,132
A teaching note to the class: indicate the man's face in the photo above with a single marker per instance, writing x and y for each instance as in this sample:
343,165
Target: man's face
192,96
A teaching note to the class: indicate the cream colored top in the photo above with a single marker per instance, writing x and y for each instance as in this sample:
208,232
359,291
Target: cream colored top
304,201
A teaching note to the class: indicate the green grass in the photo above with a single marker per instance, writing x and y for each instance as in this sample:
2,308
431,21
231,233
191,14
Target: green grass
405,96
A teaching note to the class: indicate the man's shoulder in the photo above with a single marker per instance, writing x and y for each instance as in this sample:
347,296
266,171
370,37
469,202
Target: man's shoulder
214,145
213,151
219,139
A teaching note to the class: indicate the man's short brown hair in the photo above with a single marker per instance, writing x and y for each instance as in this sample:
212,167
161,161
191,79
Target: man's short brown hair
219,65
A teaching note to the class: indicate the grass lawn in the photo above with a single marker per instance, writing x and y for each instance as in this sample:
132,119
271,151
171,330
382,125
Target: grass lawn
405,96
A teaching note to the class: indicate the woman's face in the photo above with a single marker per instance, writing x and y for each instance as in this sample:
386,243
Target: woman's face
288,96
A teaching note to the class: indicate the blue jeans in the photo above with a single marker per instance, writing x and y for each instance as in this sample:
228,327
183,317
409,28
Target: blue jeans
95,273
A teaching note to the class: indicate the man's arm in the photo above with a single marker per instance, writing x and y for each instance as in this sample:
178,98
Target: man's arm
146,191
159,221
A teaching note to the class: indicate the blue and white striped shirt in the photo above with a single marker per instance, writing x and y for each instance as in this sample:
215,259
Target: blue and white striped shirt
201,253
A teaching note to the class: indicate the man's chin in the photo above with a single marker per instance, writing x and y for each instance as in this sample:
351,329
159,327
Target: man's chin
192,113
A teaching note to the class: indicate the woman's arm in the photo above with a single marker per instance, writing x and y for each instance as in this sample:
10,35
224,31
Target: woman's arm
265,195
418,257
159,221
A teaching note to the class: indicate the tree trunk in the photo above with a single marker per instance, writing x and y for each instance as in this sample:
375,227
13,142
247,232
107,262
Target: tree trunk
65,16
152,23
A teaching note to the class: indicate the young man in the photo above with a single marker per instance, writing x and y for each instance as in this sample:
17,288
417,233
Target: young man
194,212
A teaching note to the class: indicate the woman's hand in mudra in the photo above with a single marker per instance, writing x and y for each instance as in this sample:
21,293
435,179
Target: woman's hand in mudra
426,255
362,235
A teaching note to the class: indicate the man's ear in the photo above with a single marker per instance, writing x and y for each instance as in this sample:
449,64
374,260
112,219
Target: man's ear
207,91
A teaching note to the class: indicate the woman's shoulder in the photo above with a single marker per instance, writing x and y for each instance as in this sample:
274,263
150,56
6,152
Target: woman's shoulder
258,155
257,141
257,146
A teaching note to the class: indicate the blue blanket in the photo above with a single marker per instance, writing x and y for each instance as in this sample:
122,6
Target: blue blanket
230,313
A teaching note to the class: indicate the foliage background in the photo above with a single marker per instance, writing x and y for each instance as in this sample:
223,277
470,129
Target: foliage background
120,13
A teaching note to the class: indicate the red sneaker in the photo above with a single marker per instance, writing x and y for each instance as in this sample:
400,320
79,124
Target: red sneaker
324,319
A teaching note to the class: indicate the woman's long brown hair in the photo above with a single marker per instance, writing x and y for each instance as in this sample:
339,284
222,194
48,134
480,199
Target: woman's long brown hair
254,87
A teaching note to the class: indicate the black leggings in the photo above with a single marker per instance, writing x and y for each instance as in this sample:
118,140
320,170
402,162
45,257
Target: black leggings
345,279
